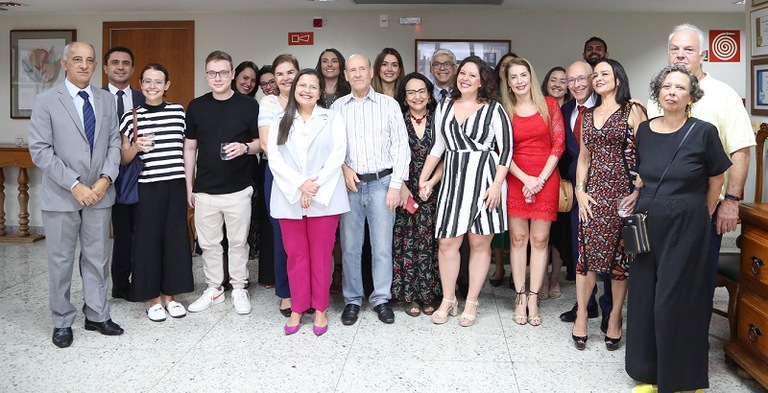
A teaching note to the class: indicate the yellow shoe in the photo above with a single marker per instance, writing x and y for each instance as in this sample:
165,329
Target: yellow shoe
645,388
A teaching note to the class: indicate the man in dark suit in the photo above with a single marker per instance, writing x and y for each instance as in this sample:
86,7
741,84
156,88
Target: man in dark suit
579,76
73,139
119,66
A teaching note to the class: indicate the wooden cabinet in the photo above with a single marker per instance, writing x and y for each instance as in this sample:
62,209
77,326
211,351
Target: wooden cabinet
750,348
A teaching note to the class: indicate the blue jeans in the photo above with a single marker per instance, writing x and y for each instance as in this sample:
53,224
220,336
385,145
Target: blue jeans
369,202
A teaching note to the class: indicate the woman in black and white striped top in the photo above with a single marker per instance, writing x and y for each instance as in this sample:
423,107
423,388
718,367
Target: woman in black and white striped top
162,258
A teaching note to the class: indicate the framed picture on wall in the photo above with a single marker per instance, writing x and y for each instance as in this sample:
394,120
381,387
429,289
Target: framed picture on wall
35,65
759,87
488,50
759,31
758,2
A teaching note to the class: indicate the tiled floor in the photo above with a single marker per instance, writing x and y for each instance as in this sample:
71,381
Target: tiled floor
218,350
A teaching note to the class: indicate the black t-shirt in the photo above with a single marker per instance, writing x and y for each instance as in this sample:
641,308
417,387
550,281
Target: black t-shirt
212,122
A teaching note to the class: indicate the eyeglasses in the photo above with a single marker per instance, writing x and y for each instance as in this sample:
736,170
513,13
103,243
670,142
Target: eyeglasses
150,82
305,86
268,83
447,64
217,74
580,80
412,93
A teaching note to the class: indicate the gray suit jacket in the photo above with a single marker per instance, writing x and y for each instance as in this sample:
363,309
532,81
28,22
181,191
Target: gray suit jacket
59,147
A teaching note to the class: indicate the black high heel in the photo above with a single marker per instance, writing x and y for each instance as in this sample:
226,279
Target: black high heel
496,282
580,342
612,344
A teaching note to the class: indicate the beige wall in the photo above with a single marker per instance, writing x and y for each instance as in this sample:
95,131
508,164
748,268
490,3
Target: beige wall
547,39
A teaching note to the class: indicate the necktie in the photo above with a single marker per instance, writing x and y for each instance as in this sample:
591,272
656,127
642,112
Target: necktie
443,94
89,119
577,126
120,105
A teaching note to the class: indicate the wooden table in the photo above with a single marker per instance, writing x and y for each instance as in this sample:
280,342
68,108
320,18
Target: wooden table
12,155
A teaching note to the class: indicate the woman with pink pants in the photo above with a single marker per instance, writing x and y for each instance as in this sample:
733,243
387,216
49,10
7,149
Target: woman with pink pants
307,145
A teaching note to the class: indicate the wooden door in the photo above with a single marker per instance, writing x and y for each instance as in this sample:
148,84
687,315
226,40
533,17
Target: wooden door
170,43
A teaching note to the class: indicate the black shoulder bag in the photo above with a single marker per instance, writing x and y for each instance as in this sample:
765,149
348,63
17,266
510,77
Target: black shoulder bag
635,231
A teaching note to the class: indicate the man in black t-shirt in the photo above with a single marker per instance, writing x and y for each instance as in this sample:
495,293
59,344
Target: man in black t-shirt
221,130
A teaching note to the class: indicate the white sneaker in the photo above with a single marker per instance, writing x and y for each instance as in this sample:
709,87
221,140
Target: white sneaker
210,297
156,313
241,300
176,310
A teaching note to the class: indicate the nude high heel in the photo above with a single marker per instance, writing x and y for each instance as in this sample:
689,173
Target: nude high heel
441,317
467,320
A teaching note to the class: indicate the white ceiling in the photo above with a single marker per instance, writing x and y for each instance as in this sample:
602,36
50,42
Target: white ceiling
117,6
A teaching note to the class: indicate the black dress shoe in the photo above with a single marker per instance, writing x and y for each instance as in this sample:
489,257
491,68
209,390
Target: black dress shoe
385,312
496,282
310,311
107,328
349,315
285,311
604,323
570,315
62,337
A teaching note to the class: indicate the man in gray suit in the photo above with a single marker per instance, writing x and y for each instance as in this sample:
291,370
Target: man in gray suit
74,140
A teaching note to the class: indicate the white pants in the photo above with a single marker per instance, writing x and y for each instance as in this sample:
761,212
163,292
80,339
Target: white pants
211,213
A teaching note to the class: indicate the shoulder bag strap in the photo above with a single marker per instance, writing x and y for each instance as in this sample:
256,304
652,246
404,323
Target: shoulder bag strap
135,126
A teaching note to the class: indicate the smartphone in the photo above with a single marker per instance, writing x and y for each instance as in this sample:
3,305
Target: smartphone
411,205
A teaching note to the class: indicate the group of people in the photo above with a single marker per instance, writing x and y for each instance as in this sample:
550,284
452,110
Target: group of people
425,164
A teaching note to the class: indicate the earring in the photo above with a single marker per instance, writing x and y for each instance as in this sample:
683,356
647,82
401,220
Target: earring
658,105
688,110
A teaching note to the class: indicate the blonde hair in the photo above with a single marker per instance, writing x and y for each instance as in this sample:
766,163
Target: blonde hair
508,98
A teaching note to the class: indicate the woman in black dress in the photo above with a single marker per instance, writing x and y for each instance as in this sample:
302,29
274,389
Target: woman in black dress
668,310
416,279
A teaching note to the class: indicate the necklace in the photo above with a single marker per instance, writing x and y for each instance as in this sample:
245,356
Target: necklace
602,110
419,120
284,98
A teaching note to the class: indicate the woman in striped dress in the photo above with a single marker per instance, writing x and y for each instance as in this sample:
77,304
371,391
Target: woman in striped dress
162,262
469,129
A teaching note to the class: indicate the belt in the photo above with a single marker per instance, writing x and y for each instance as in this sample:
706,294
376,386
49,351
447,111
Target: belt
374,176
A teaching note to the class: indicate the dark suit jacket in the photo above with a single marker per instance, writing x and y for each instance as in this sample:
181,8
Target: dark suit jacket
136,95
567,163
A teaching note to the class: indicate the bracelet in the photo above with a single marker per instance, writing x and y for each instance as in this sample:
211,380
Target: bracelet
542,178
496,181
580,186
732,197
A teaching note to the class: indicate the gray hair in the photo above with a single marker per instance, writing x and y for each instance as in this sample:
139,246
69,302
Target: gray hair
446,52
689,27
696,92
68,48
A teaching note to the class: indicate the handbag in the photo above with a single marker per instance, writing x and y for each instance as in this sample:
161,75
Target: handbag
634,233
127,182
565,200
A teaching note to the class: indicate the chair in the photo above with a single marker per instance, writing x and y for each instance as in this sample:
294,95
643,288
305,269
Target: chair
729,265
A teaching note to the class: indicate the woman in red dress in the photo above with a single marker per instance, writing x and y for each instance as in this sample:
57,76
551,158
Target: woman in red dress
533,181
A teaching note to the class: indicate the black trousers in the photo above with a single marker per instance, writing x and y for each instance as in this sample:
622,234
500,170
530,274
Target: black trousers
162,257
122,247
266,250
669,306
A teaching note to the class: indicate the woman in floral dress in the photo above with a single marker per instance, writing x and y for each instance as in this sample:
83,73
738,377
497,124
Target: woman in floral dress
416,279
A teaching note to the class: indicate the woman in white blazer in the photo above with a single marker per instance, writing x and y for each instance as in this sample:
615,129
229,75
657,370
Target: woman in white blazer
307,145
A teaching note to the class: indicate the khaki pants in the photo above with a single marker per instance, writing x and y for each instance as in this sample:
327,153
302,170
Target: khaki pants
211,212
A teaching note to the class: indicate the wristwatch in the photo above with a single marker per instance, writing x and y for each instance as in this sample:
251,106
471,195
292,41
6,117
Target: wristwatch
732,197
247,148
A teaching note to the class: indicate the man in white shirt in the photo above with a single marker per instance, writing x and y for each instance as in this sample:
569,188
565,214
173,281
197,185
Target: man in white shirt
579,77
723,107
119,66
376,165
